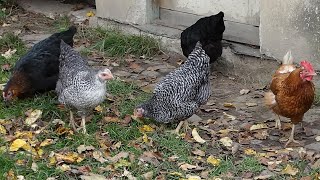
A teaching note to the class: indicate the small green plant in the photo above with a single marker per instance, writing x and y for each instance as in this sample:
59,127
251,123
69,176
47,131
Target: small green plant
62,23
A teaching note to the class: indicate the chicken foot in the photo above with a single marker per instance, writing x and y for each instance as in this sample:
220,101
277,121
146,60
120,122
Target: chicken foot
72,122
278,122
83,124
186,126
291,139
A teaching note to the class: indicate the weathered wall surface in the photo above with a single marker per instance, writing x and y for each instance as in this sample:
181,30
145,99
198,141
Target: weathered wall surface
128,11
242,11
291,24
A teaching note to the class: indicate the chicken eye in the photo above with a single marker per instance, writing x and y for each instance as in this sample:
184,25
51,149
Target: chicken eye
9,93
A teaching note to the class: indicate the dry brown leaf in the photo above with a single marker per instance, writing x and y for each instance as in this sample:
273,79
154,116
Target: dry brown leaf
64,167
199,152
228,116
109,119
8,54
92,176
250,152
228,105
33,117
187,166
197,137
244,91
150,157
83,148
148,175
5,67
290,170
226,141
69,157
117,157
97,155
258,126
128,174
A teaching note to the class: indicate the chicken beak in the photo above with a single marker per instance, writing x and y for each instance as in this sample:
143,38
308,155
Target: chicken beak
312,74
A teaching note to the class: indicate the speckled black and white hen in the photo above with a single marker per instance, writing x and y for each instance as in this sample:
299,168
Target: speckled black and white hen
80,86
179,94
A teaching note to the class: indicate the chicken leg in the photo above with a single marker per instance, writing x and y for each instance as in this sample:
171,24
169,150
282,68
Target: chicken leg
291,139
278,122
72,123
186,126
83,124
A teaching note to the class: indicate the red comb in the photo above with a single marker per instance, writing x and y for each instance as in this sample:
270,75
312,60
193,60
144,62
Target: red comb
307,65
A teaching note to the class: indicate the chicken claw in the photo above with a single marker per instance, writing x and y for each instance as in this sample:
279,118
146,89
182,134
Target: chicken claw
72,122
83,124
291,139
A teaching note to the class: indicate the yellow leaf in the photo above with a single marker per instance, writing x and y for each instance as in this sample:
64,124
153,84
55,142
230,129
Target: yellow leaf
258,126
290,170
197,137
70,157
90,14
146,128
228,116
24,134
3,149
40,152
33,117
145,138
226,141
98,108
250,152
176,174
228,105
3,130
46,142
52,160
122,163
213,161
17,144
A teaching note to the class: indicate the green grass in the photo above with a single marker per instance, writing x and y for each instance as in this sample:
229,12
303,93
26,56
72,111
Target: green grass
62,23
114,43
10,41
317,98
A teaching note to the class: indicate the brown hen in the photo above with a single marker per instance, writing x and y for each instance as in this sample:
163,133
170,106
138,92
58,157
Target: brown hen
292,92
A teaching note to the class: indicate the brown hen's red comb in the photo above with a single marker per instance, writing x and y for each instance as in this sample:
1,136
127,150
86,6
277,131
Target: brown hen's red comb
307,65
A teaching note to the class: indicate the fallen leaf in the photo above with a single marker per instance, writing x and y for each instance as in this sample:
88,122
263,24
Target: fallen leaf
93,176
116,146
109,119
146,128
3,129
150,157
2,86
258,126
64,167
199,152
34,167
8,54
228,116
46,142
210,103
90,14
129,175
98,108
228,105
114,64
118,156
17,144
69,157
192,177
197,137
290,170
251,104
5,25
122,163
187,166
83,148
244,91
250,152
316,164
318,138
148,175
5,67
226,141
20,177
34,115
97,155
213,161
176,174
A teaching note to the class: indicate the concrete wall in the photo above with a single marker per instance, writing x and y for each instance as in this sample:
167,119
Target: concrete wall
291,24
242,11
128,11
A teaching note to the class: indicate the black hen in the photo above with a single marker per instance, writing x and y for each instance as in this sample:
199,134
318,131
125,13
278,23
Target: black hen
38,70
207,30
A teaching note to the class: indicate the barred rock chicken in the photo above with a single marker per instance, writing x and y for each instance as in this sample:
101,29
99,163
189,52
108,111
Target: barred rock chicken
179,94
292,92
80,86
207,30
38,70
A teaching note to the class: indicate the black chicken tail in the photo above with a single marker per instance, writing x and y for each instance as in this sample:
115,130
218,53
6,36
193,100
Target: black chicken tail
67,36
64,50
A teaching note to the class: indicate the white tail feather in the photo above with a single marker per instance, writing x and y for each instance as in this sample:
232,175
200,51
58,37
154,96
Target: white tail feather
287,59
